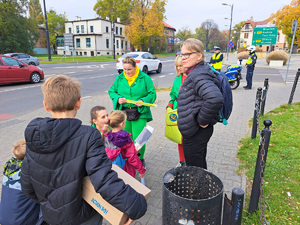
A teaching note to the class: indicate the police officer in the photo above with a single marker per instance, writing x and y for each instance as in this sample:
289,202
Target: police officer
217,59
250,64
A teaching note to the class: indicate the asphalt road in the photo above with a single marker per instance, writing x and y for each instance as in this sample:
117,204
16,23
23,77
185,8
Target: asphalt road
96,78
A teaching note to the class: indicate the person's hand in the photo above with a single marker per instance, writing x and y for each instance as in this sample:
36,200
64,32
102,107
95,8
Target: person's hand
129,221
138,103
121,101
141,175
203,126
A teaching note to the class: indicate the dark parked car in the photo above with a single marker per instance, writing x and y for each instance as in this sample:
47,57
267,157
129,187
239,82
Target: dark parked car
30,60
13,70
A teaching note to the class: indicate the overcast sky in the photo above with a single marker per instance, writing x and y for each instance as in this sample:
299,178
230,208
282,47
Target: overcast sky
185,13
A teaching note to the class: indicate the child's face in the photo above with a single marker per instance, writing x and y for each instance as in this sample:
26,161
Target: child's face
102,116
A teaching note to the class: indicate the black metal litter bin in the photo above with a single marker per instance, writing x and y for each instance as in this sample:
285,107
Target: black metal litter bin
191,195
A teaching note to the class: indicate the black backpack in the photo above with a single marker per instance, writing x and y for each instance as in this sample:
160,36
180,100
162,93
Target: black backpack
227,96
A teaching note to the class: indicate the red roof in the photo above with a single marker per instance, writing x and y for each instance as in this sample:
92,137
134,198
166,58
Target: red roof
168,26
254,24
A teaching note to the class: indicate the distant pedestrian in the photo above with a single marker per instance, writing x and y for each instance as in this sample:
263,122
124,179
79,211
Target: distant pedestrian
119,146
173,104
15,207
217,59
133,84
250,64
60,152
199,103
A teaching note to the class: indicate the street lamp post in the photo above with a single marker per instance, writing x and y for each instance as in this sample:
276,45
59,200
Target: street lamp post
231,6
47,33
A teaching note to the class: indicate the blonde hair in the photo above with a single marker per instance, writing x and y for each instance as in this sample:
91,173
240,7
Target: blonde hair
115,119
19,149
129,60
61,93
177,62
94,111
194,45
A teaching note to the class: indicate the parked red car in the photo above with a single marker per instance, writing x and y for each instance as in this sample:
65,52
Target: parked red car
13,70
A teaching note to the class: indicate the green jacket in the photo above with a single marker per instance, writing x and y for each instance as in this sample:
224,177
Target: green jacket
174,92
141,89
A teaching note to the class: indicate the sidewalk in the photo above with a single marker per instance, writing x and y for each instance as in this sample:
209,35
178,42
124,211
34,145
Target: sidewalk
162,154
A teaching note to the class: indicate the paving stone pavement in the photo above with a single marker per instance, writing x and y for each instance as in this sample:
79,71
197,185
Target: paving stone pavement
162,154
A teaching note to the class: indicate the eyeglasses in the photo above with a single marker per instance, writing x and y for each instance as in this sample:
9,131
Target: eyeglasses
187,55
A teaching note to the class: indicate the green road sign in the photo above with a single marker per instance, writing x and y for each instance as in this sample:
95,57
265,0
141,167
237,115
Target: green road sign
264,36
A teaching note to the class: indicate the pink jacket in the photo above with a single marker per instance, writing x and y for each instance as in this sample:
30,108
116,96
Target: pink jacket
132,163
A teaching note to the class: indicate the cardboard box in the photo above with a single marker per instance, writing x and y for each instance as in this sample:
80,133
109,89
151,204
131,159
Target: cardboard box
109,212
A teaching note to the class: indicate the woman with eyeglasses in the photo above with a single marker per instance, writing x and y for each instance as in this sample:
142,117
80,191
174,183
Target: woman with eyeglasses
199,103
133,84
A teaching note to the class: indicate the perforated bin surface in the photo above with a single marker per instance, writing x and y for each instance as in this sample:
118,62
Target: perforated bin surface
192,195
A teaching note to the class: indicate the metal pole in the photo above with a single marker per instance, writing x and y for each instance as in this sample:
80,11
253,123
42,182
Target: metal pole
237,199
256,111
288,65
47,33
264,96
294,86
265,140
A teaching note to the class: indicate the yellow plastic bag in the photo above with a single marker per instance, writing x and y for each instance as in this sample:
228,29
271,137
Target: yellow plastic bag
172,132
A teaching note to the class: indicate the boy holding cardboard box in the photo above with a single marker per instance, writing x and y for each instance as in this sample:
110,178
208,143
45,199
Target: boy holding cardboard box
61,152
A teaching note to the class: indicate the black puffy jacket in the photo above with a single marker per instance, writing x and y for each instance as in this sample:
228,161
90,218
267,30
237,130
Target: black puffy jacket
199,100
59,153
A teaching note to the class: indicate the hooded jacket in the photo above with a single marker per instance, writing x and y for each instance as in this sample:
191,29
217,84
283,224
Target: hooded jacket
59,153
199,100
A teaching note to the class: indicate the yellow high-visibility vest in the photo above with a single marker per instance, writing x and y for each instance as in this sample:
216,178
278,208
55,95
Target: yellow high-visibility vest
217,65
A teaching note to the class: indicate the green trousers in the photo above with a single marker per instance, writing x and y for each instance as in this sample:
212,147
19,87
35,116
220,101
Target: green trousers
135,128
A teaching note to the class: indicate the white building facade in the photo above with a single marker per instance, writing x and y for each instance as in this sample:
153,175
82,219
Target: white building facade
94,37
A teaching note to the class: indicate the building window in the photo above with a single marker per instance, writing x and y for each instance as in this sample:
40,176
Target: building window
82,29
117,30
77,29
247,26
84,53
117,43
107,43
77,42
246,35
70,30
88,42
122,44
92,29
58,43
62,42
121,30
106,29
278,37
125,45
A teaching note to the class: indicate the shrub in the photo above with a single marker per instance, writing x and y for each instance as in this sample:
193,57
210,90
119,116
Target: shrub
242,49
243,55
277,55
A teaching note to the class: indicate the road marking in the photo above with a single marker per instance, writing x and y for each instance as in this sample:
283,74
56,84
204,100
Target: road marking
48,75
86,97
162,76
4,117
69,72
89,70
16,89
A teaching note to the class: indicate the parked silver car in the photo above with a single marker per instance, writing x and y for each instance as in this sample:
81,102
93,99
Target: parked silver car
145,61
30,60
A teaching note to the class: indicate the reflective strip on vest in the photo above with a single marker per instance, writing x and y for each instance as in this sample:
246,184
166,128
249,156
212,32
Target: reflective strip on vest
217,65
249,61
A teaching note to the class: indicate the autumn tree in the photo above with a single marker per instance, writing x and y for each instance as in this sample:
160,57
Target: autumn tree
115,8
56,26
35,11
146,22
184,33
236,33
210,28
16,31
284,19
